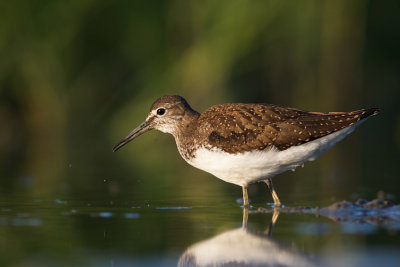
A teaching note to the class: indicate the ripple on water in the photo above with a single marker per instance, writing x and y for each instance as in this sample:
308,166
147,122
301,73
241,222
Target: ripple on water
3,221
102,214
105,214
356,228
62,202
173,208
21,221
131,215
313,228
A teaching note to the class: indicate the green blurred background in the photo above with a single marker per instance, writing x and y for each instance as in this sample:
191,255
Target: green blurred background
76,76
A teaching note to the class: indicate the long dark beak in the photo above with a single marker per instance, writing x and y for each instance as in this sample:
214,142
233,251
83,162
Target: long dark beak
142,128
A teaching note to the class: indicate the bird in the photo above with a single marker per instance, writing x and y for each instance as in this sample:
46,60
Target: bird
243,143
245,247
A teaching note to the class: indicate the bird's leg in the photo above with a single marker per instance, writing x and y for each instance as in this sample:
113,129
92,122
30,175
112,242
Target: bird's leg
245,197
245,217
277,202
271,225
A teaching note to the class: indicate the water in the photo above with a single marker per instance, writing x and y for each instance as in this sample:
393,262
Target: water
83,231
144,206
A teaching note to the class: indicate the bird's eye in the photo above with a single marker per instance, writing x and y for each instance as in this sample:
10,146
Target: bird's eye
161,111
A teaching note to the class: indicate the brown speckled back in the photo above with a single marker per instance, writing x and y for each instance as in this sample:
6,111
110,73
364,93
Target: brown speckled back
244,127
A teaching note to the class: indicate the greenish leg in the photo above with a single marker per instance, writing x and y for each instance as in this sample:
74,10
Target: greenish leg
277,202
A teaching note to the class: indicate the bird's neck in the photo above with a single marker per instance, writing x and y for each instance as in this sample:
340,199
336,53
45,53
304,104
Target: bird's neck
187,125
186,133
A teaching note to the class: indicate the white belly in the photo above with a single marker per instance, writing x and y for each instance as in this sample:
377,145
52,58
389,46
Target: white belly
249,167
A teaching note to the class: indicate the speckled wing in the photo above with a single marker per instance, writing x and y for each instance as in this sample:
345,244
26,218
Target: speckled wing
244,127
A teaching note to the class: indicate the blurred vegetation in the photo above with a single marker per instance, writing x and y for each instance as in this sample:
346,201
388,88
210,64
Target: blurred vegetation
76,76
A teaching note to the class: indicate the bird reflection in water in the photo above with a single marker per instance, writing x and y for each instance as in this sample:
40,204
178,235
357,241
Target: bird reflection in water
240,247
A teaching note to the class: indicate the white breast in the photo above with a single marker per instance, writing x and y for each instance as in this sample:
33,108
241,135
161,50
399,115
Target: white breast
249,167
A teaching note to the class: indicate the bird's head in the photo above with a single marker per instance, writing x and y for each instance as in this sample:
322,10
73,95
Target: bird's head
166,115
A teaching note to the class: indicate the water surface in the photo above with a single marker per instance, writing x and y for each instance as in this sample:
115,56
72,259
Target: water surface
126,232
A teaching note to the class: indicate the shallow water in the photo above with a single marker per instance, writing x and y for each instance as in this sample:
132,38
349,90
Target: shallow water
84,231
144,206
